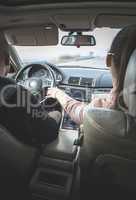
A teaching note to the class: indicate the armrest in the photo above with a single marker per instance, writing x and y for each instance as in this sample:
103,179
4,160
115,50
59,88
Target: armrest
63,147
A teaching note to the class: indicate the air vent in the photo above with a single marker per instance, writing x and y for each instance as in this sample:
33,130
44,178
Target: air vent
74,80
81,81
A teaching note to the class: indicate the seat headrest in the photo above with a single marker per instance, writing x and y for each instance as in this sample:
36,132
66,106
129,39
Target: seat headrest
129,90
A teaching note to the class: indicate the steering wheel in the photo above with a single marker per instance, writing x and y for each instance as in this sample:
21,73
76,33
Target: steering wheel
36,84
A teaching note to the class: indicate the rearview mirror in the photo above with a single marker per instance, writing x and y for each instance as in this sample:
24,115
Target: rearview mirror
78,40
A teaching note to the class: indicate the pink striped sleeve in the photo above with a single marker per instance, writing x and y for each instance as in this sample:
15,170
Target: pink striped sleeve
75,110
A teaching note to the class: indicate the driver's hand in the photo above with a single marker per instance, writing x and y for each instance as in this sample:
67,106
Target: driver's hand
52,92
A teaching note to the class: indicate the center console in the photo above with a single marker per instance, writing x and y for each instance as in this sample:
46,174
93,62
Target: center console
83,94
51,184
79,93
57,173
68,123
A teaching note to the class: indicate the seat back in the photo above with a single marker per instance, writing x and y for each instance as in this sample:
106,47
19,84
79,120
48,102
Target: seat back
16,165
129,91
106,131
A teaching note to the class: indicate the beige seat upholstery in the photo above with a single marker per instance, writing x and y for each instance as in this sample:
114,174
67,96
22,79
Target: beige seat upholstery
108,131
129,91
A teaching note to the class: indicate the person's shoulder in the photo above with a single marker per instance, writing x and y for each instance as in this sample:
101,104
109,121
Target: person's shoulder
6,81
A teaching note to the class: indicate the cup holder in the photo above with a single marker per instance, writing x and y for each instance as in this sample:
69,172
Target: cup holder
51,184
52,180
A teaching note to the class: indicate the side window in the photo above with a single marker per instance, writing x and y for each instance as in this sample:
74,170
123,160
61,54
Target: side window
12,70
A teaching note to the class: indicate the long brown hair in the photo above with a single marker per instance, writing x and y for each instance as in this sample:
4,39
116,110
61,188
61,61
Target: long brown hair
122,47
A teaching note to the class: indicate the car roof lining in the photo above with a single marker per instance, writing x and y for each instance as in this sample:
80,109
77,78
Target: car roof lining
34,2
43,14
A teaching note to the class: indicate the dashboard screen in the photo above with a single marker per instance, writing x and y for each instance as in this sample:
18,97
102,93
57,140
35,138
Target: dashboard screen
67,123
78,94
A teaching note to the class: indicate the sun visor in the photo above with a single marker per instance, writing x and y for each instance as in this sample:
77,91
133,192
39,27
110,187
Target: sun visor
114,21
33,36
74,22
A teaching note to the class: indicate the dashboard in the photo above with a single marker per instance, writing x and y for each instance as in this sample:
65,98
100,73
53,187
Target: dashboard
81,83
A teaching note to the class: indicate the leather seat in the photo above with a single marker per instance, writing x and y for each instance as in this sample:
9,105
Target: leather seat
108,131
17,162
122,169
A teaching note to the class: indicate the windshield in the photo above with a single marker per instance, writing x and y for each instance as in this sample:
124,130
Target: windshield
70,55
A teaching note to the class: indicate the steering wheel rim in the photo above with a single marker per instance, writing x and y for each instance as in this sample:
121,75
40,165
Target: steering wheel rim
44,66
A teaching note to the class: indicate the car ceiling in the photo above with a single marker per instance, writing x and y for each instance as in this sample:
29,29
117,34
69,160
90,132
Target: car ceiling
67,15
30,2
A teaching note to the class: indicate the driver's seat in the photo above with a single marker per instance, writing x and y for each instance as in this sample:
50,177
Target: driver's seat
108,131
17,162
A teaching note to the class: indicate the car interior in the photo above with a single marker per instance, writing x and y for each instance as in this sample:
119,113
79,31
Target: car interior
56,170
